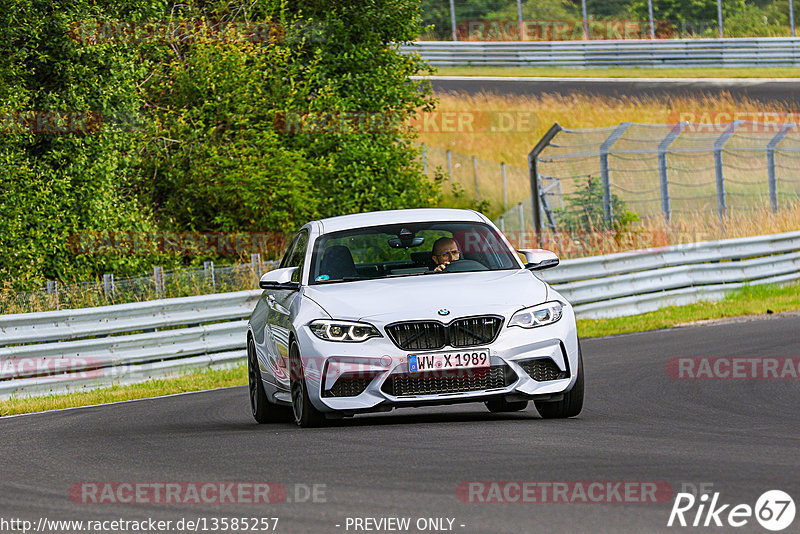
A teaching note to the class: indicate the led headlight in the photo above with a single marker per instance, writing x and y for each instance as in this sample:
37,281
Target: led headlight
539,315
350,331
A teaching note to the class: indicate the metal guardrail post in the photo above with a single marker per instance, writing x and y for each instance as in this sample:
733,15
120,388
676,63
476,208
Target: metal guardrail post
502,224
475,177
52,289
533,172
449,167
718,145
791,16
773,182
522,24
108,285
505,192
522,241
608,210
453,19
158,280
208,271
662,167
255,265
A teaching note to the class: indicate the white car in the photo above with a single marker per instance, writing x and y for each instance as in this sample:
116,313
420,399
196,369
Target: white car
419,307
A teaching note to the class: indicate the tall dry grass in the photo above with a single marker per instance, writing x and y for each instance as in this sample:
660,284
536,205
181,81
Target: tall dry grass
570,111
656,232
584,111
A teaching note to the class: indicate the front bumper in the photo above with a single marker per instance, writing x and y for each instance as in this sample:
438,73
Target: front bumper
362,377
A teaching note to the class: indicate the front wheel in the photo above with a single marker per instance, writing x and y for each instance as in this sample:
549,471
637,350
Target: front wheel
305,415
572,403
263,410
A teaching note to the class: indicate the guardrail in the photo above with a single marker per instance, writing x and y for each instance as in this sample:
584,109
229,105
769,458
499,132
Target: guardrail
81,349
73,350
739,52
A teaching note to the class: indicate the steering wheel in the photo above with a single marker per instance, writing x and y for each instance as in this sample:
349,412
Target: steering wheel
460,266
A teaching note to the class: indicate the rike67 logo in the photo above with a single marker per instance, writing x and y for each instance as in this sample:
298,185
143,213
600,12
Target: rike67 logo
774,510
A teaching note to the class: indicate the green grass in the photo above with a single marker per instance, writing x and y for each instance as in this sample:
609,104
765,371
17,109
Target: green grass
618,72
751,300
197,381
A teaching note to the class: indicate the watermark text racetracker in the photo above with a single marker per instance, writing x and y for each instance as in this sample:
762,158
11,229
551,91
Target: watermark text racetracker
733,367
46,525
194,493
565,492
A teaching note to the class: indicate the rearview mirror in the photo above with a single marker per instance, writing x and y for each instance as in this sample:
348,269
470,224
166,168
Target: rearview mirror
537,259
279,279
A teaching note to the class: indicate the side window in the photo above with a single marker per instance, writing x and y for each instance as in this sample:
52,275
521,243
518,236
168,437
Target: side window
288,254
299,255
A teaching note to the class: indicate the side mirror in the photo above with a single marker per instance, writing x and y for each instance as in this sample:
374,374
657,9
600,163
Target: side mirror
537,259
279,279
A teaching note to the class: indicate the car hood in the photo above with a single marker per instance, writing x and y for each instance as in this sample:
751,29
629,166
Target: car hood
421,297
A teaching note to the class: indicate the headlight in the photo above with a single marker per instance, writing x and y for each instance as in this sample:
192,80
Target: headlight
350,331
540,315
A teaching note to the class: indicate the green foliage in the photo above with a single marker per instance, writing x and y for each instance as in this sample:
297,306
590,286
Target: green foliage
206,150
584,210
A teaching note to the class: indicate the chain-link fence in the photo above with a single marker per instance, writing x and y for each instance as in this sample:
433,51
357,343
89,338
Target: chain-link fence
535,20
161,283
470,181
602,177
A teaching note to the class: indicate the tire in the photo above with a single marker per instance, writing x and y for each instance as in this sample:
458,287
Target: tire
502,405
572,403
263,410
305,414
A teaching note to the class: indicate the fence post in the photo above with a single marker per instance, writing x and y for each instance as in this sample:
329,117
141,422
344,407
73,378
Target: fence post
52,289
773,182
255,265
722,206
608,209
533,175
208,271
453,19
503,223
505,193
158,279
108,285
662,167
449,167
424,159
475,177
522,241
522,25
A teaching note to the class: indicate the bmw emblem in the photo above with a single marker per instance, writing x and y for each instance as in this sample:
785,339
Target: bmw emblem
444,312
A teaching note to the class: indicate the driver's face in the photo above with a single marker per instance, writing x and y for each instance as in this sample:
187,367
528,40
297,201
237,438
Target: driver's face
449,252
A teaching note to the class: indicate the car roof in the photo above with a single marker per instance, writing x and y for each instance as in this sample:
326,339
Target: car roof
377,218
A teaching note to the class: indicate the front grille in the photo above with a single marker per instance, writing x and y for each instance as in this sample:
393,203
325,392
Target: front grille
456,381
542,369
418,335
473,331
348,385
429,335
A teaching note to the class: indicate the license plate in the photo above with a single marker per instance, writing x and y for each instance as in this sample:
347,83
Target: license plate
443,361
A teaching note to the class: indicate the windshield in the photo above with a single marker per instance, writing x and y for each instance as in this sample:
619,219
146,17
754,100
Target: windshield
409,249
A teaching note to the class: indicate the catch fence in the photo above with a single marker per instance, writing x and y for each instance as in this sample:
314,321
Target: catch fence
598,177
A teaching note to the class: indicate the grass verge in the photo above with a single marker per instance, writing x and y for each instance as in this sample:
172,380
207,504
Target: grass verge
197,381
750,300
618,72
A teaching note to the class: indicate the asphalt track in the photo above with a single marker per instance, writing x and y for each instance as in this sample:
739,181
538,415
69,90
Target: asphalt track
638,424
782,93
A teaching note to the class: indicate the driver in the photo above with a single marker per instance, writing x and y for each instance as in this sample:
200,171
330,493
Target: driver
445,250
